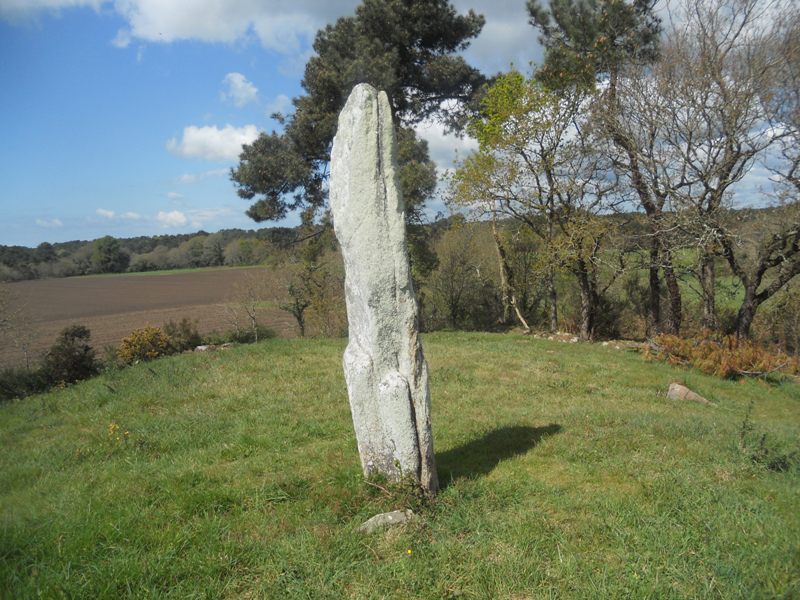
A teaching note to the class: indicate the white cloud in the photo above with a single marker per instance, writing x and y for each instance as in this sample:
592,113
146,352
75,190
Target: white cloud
49,223
189,178
173,218
280,104
174,195
21,9
122,39
202,217
444,149
506,38
212,143
279,25
110,214
289,27
282,26
197,218
238,89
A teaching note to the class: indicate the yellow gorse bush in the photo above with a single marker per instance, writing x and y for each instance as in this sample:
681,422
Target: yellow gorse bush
144,344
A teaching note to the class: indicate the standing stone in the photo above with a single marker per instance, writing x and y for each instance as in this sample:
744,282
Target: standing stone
385,370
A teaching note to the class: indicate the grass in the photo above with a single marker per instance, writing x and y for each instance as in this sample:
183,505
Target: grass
566,474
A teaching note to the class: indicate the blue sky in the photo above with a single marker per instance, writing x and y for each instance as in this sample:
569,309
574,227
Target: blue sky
124,117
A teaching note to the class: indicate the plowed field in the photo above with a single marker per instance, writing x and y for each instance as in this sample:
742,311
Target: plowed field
112,306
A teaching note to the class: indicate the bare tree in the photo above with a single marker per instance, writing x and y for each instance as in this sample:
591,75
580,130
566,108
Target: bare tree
764,256
462,292
514,175
630,114
765,253
316,288
538,166
296,305
717,65
585,41
693,125
246,304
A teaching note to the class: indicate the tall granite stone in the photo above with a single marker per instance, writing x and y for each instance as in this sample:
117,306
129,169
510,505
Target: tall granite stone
385,370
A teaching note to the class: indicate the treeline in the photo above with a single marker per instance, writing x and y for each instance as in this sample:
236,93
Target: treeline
470,284
466,272
233,247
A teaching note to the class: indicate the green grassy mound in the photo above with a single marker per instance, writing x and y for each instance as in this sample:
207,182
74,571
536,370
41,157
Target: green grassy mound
234,474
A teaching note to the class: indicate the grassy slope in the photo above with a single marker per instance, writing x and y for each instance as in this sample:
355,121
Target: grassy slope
567,474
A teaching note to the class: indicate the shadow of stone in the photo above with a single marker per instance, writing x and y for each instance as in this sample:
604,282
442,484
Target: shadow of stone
481,455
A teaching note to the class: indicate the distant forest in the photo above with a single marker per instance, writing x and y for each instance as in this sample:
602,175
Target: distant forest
232,247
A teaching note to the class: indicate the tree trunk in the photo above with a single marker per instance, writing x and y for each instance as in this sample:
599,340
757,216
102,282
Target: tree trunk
507,280
653,209
746,314
588,303
779,254
507,275
586,316
504,295
505,272
675,315
707,282
552,296
654,300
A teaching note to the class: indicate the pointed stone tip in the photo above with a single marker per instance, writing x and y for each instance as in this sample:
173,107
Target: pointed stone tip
361,97
363,88
364,94
361,94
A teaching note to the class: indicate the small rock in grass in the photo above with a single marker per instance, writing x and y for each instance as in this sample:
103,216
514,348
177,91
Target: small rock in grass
678,391
209,347
396,517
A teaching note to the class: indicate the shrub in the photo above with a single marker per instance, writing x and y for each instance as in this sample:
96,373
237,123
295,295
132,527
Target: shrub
723,356
183,335
779,319
144,344
71,358
248,336
18,383
241,336
110,359
769,454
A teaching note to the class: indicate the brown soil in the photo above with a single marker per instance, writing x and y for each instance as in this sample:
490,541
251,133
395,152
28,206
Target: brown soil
112,306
